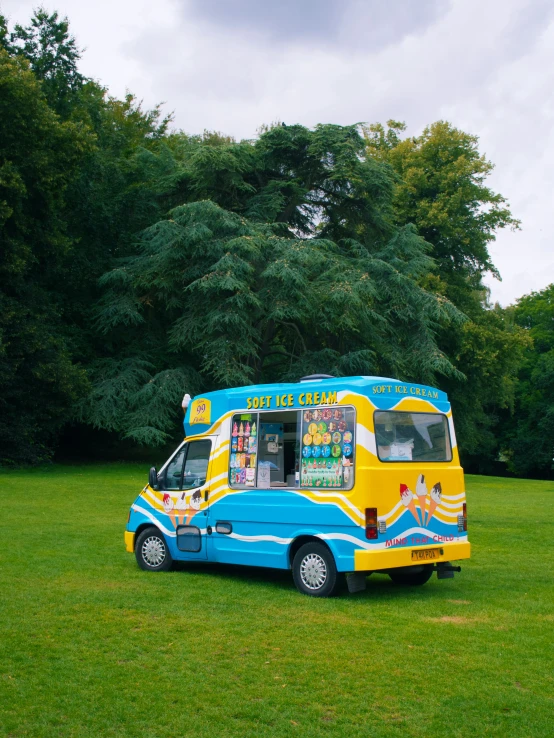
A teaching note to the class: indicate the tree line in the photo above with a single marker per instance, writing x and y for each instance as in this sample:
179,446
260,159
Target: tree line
138,261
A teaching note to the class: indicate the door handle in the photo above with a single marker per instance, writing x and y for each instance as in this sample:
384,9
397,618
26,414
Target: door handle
225,528
206,494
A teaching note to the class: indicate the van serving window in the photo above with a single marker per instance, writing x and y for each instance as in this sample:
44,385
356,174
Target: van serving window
265,449
293,448
402,436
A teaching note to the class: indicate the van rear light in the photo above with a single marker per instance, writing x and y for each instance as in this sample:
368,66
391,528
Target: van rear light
462,519
371,523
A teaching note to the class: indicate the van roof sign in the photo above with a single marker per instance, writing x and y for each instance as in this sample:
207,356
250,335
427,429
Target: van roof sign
383,393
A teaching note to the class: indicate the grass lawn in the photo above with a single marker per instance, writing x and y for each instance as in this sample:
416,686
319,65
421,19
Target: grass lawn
92,646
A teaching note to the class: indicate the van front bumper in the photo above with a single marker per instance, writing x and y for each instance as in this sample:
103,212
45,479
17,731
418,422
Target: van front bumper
391,558
129,541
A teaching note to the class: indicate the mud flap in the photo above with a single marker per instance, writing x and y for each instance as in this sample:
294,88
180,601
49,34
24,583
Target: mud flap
356,581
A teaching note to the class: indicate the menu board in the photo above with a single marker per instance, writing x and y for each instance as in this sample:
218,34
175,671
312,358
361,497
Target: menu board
327,447
244,448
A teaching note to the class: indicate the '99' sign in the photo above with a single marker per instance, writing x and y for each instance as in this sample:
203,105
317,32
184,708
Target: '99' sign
200,411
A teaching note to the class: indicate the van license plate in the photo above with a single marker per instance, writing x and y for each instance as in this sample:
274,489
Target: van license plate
426,554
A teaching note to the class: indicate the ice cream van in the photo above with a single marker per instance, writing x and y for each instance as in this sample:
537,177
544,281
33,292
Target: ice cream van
327,477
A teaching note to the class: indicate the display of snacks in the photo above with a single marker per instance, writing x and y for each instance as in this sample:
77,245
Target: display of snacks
307,416
317,439
327,413
312,429
326,451
336,451
307,438
326,438
316,415
337,438
322,427
347,437
342,426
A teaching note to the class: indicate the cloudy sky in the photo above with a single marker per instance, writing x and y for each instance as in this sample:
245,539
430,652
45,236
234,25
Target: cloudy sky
230,65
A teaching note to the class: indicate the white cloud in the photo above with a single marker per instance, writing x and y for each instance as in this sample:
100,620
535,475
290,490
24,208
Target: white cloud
485,66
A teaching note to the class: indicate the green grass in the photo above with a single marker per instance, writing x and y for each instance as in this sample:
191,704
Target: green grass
92,646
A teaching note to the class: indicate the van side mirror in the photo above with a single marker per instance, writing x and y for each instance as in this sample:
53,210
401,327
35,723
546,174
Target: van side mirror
153,478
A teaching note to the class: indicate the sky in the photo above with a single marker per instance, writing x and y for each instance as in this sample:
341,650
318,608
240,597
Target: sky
487,66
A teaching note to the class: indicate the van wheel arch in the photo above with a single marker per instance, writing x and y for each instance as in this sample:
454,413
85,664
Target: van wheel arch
140,528
300,541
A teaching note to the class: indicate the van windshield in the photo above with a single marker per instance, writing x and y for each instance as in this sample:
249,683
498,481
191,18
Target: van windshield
402,436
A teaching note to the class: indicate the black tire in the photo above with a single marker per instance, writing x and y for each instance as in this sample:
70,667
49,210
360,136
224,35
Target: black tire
421,575
314,571
151,550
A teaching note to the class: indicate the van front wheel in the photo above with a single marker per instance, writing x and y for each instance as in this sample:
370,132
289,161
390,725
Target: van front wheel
404,576
314,570
151,551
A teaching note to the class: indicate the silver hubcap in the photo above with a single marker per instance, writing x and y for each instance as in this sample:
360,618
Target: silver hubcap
313,571
153,551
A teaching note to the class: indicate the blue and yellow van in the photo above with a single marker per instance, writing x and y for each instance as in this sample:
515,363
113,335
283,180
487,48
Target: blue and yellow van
327,476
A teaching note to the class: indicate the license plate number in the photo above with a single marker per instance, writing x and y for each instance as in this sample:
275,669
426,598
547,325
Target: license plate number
426,554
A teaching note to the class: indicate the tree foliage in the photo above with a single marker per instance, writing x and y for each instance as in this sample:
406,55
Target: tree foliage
441,188
316,278
528,436
139,261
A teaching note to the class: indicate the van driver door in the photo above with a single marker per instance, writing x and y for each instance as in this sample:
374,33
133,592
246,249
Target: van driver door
190,499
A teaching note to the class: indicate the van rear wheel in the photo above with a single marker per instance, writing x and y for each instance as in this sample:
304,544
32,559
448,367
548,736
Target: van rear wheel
151,550
404,576
314,571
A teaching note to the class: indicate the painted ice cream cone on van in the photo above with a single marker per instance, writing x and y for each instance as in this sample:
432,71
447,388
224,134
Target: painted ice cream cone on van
182,506
421,493
194,505
436,494
407,499
169,508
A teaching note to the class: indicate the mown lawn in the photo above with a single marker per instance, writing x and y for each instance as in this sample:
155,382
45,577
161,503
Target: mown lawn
92,646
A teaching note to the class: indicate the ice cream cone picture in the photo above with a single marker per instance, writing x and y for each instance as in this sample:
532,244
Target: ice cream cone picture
421,493
169,508
436,494
407,499
182,506
194,506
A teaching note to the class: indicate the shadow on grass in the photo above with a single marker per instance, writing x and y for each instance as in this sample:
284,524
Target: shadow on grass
378,585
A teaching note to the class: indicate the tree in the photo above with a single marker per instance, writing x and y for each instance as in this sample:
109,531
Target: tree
441,189
307,274
53,55
39,157
528,437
